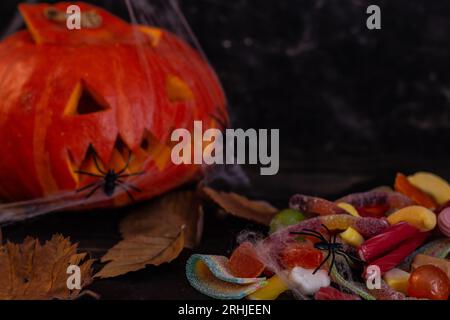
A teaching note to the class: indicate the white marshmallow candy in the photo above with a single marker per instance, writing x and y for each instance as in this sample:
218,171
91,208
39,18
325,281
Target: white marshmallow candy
307,282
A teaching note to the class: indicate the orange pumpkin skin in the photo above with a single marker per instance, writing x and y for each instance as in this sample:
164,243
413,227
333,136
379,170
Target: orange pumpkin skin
143,83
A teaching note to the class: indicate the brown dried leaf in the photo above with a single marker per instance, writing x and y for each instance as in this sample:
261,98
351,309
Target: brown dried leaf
155,233
165,217
258,211
31,271
137,252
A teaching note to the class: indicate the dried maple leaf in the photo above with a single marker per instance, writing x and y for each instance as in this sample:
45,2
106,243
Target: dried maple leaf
258,211
137,252
155,233
31,271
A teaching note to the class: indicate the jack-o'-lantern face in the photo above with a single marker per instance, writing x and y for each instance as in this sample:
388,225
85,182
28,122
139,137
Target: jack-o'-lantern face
112,90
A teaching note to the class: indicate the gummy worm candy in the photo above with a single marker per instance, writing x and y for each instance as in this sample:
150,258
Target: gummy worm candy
418,196
367,227
314,205
377,198
352,287
438,248
387,293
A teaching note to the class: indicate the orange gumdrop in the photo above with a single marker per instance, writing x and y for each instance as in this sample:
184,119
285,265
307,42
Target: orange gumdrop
301,255
244,262
429,282
403,185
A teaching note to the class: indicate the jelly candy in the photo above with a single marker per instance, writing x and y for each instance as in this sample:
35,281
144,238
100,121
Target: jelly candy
301,255
376,211
429,282
439,248
367,227
431,184
420,217
385,292
349,208
314,205
370,227
397,279
211,276
306,282
418,196
274,287
330,293
386,241
244,262
352,237
422,259
285,218
353,287
397,255
444,222
377,198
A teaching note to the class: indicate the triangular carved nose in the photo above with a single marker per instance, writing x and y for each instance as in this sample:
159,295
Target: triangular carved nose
84,100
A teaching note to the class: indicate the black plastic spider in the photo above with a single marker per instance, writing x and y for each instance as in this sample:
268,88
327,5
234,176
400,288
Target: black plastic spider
334,248
110,180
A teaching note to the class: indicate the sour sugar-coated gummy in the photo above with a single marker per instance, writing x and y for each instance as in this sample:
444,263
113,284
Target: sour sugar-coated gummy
377,198
314,205
301,255
244,262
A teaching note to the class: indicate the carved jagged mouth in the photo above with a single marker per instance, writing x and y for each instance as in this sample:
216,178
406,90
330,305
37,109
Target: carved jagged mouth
84,101
150,149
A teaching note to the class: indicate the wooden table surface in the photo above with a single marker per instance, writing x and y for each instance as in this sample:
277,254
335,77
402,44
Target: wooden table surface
96,231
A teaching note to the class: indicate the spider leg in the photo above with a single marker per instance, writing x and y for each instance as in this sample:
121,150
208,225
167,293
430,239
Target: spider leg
90,185
343,255
127,191
333,257
323,262
334,239
131,174
93,191
94,155
126,164
129,185
328,230
351,256
88,173
300,233
316,232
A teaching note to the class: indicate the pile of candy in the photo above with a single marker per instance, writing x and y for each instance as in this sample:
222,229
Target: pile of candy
383,244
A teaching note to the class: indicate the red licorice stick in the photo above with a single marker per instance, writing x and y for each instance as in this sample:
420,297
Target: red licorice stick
393,258
386,241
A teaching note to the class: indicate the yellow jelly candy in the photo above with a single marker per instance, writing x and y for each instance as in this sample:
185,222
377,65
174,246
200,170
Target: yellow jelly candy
432,184
397,279
349,208
352,237
274,287
420,217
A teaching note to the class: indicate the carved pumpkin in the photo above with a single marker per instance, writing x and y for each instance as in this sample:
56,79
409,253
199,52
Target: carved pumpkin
110,90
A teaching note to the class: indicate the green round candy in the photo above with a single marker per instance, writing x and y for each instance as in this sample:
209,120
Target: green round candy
285,218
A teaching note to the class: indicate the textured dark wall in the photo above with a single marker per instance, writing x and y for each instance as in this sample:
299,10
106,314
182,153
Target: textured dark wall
334,88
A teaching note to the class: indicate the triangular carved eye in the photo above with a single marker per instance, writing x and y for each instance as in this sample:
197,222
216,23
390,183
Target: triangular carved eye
177,89
84,101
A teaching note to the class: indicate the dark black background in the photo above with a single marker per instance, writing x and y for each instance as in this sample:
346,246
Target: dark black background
353,107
